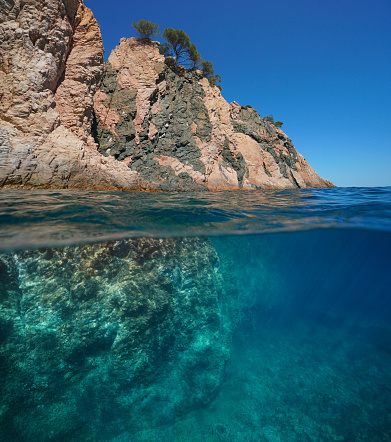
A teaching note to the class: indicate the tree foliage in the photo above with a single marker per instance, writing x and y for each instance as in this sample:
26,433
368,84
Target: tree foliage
146,29
178,45
185,53
270,119
208,71
194,57
207,68
165,49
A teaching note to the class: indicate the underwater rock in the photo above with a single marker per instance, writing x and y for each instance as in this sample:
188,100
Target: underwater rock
107,337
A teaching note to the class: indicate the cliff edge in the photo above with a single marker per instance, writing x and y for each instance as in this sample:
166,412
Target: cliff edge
51,62
69,121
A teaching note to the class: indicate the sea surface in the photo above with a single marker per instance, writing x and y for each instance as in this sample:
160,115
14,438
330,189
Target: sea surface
288,337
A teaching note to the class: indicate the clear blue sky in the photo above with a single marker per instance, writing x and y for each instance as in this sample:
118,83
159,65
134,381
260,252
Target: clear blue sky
321,67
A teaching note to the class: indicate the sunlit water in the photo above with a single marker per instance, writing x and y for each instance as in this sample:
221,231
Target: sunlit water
307,274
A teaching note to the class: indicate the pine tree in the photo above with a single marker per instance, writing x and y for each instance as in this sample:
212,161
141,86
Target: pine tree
178,45
146,29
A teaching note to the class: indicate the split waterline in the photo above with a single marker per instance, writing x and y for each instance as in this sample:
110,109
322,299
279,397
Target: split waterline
195,317
47,218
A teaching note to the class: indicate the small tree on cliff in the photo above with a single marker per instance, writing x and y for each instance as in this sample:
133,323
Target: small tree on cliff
207,68
208,71
270,119
180,48
178,45
194,57
146,29
184,52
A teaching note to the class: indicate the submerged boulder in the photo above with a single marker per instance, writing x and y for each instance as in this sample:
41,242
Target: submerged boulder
101,339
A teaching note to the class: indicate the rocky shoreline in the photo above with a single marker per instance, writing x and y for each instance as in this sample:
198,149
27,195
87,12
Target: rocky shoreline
67,120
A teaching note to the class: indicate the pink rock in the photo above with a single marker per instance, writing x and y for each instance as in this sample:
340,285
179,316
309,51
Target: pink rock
51,64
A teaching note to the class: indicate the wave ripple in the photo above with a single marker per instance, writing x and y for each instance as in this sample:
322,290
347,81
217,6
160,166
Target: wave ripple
49,218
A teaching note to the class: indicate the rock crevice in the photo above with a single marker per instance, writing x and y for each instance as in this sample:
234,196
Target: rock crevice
178,132
69,121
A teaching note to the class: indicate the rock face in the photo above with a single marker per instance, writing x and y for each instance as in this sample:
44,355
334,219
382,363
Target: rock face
96,340
145,127
51,61
179,133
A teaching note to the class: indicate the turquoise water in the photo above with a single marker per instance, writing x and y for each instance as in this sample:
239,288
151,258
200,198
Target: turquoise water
227,316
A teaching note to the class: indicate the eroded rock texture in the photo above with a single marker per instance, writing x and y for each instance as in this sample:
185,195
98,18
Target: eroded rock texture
51,61
144,128
100,339
179,133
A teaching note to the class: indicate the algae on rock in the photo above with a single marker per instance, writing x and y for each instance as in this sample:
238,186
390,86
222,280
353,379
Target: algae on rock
109,336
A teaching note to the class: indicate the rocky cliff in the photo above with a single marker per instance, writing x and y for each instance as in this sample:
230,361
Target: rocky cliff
66,120
51,61
178,132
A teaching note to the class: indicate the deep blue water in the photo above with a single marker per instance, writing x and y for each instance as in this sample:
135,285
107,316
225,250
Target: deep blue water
310,354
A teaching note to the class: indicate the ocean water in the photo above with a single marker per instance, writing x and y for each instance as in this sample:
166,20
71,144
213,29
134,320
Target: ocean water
224,316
